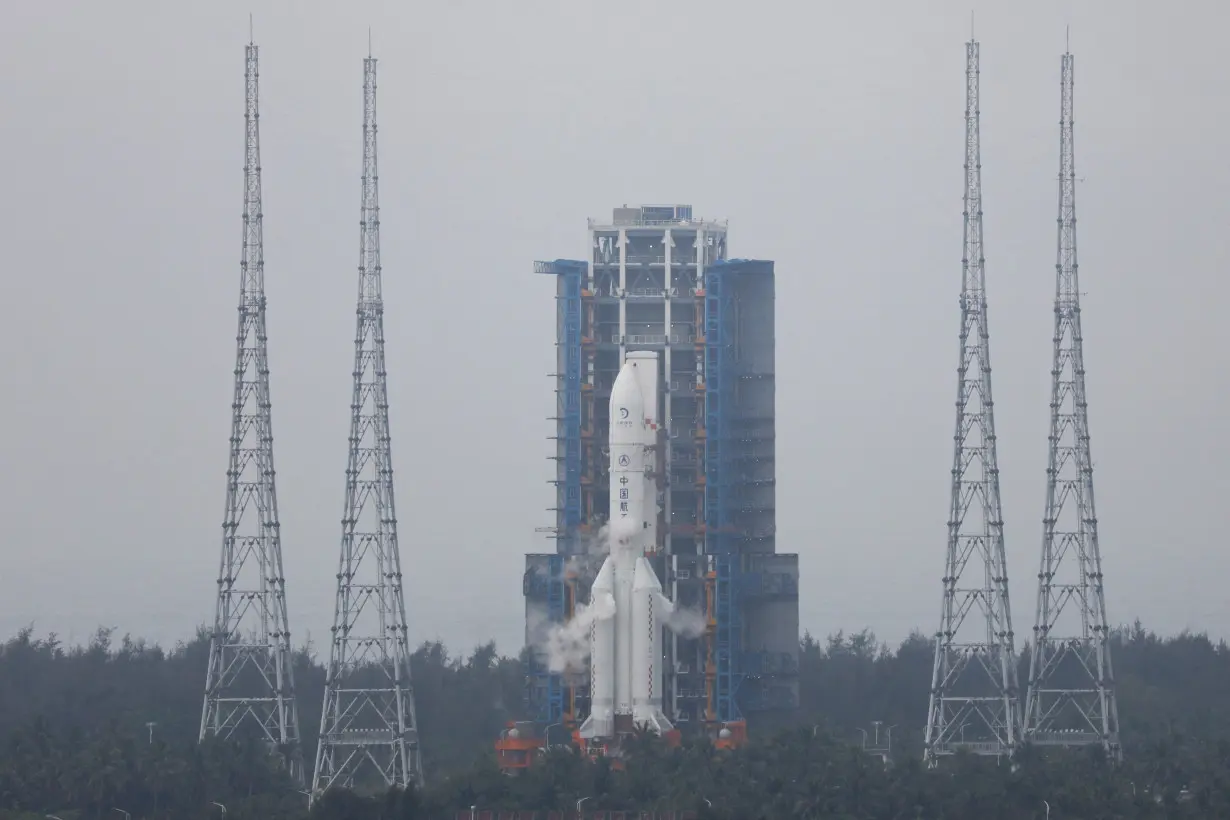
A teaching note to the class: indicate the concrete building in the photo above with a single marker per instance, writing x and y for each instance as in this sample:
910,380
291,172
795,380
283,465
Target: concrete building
659,279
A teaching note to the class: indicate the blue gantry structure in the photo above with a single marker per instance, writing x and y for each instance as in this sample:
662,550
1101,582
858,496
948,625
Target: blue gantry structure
660,279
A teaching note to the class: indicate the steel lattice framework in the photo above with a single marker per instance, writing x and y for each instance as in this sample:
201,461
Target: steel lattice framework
250,684
368,726
1071,695
974,697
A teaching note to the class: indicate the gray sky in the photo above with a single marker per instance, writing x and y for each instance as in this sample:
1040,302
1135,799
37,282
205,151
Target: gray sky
829,134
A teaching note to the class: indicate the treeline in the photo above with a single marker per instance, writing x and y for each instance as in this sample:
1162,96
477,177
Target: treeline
463,703
1166,686
111,728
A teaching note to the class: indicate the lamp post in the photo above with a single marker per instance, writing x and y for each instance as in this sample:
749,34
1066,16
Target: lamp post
219,805
1048,809
579,802
127,816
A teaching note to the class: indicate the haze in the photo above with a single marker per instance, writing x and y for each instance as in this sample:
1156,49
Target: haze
830,135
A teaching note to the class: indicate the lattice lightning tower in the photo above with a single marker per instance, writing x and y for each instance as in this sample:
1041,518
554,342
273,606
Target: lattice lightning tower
368,726
250,685
974,695
1071,695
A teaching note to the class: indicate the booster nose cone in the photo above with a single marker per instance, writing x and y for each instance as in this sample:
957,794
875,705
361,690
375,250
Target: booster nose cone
644,578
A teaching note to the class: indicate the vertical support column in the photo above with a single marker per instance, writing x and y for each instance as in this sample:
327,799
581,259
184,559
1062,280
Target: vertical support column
672,563
700,538
668,243
555,612
699,284
623,294
665,459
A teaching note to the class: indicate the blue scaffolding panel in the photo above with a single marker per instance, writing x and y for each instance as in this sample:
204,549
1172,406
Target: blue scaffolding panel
571,273
720,540
553,709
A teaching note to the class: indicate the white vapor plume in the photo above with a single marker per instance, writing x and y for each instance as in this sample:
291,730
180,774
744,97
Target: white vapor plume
567,645
686,623
599,543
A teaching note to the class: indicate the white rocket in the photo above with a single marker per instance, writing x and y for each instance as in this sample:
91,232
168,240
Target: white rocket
626,637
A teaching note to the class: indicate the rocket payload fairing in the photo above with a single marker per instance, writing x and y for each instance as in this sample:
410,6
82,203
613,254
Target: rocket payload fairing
626,637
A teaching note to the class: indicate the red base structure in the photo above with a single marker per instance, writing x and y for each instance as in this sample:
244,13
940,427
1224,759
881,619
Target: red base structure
597,814
522,743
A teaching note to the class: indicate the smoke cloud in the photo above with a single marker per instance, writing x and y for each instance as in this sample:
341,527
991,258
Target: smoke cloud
567,645
686,623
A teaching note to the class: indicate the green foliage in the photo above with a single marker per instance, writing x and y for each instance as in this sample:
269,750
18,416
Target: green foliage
75,743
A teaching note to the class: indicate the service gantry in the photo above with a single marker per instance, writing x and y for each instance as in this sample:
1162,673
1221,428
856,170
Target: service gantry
974,692
658,278
1071,696
368,727
250,683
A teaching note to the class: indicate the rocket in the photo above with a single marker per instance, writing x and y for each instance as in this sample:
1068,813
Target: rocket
626,635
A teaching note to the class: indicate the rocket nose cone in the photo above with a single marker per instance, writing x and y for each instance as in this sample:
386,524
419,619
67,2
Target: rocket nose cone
627,403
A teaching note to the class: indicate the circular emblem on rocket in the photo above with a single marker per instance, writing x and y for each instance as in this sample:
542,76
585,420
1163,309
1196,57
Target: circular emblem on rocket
623,413
624,460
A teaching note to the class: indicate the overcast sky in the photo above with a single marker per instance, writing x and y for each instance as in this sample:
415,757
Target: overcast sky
830,135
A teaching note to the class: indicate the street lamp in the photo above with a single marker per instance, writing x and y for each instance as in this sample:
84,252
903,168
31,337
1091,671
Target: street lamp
127,816
219,805
579,802
150,725
1048,809
546,734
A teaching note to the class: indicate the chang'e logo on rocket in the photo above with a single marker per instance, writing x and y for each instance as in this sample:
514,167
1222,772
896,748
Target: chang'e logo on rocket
624,461
623,414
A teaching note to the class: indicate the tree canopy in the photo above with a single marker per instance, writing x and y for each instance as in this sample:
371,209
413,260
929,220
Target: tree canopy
110,728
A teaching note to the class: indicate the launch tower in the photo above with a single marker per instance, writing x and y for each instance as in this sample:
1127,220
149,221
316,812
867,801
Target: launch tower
1071,695
250,683
974,693
368,727
659,280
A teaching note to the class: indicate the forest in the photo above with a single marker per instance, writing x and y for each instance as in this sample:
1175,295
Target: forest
109,729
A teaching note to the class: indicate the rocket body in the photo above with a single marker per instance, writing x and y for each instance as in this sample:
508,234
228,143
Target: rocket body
626,647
